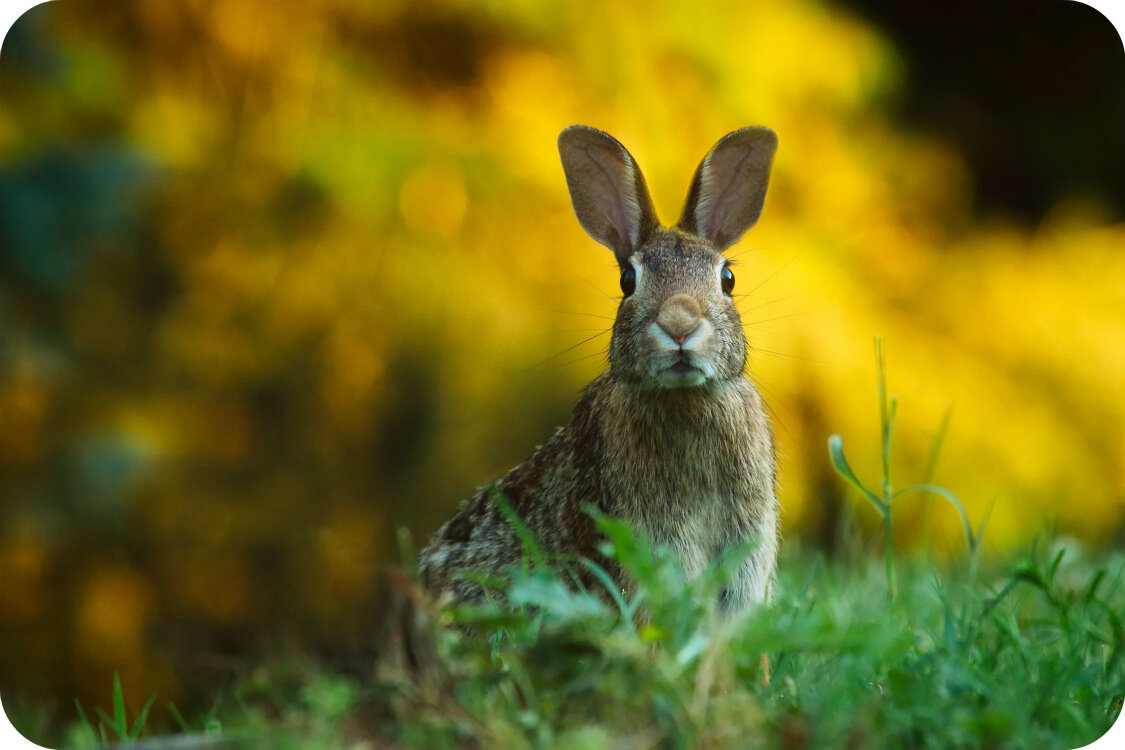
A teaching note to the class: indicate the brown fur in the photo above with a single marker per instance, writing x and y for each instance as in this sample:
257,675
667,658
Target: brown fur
673,438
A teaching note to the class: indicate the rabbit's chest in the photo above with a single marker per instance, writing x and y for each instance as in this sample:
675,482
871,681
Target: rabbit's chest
705,527
696,504
694,469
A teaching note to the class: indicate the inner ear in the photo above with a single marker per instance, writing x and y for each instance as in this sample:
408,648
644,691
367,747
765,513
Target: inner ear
729,187
609,193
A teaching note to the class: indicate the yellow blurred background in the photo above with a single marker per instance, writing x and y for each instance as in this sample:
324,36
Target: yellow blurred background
278,279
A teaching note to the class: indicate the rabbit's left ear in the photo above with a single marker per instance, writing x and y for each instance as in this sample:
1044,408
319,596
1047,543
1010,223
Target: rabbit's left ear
729,188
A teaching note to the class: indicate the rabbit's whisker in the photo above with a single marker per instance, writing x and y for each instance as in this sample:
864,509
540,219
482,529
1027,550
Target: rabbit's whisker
781,268
777,317
602,353
771,302
740,253
760,383
568,349
595,286
590,315
766,331
789,356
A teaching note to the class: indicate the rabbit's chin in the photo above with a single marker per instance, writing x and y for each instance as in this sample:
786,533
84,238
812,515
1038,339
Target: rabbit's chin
681,374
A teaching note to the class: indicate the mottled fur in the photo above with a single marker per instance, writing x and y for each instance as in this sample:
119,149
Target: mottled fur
673,437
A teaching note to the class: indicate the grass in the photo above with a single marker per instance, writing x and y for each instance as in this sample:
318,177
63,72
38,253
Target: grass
888,409
1030,660
900,653
118,724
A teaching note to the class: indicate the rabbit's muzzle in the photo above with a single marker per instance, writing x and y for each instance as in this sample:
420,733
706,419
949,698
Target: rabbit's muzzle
679,318
681,337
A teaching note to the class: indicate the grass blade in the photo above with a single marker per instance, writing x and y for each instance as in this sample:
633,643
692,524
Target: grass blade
120,725
178,717
886,410
939,444
142,717
86,725
527,539
614,591
937,489
840,463
107,719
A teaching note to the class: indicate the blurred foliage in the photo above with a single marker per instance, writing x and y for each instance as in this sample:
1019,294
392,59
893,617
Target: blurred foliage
274,281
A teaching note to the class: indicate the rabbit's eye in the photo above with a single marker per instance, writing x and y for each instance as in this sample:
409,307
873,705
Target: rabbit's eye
628,281
727,277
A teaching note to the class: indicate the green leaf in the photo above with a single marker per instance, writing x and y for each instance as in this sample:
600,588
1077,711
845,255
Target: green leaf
488,581
86,722
1118,631
840,463
886,409
142,717
632,548
611,586
178,717
1092,587
107,719
1055,565
692,650
984,522
551,595
119,723
485,617
950,630
937,489
939,443
1027,572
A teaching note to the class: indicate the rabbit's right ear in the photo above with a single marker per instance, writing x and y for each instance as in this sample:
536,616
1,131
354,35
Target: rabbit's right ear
607,189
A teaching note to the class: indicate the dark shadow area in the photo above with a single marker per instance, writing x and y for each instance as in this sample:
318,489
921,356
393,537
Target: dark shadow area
1031,91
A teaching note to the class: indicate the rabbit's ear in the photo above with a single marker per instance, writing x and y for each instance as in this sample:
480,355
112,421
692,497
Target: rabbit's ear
729,187
607,189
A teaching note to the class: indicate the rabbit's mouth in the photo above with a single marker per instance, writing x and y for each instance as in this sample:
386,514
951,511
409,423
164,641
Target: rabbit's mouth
682,373
683,367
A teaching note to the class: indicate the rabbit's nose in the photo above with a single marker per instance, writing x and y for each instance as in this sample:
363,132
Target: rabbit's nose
679,317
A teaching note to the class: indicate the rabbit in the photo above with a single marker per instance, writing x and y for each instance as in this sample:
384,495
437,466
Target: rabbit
673,438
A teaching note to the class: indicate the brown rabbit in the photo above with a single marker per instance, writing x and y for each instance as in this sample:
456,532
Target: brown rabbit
673,438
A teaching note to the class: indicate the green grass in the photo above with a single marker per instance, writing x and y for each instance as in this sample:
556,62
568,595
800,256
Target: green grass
885,499
116,726
897,653
1033,660
1029,657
